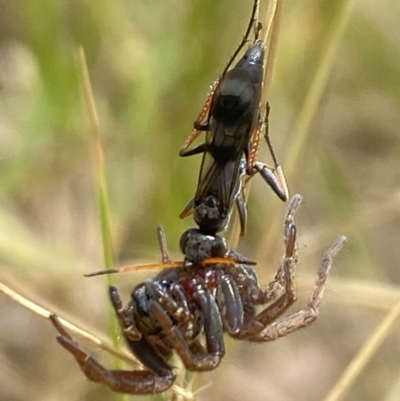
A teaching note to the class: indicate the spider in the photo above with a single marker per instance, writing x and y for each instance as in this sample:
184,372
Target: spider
187,309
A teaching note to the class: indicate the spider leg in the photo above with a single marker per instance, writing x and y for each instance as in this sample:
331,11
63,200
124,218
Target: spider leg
179,311
309,313
258,323
162,243
264,327
230,302
212,326
242,211
275,287
124,381
126,322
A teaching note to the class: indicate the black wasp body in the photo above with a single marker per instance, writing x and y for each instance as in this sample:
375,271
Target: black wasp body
234,112
217,191
233,117
234,109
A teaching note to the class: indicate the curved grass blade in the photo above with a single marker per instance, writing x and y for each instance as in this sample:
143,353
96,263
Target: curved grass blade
102,197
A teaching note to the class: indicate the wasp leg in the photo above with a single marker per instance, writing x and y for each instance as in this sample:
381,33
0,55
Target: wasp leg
242,211
251,150
274,178
188,210
189,140
201,123
124,381
202,127
257,29
194,151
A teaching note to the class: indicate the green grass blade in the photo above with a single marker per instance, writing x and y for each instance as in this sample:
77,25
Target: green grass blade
102,196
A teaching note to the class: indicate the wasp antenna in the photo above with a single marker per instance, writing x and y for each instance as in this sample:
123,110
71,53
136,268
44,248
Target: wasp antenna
245,39
133,268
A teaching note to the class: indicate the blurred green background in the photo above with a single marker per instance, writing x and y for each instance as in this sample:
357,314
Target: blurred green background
151,63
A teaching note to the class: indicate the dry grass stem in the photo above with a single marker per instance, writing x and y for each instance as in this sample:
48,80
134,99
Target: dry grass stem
85,335
271,26
365,354
304,120
394,391
90,338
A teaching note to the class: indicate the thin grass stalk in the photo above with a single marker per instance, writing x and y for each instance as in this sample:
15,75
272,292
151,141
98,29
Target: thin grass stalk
234,234
271,34
303,124
103,200
365,354
393,393
81,333
271,24
45,313
273,21
102,193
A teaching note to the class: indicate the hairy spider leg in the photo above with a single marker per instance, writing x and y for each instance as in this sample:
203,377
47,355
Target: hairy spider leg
125,381
213,329
264,326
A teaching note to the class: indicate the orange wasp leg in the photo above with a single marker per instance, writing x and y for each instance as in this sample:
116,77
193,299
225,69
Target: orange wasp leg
188,210
200,125
273,176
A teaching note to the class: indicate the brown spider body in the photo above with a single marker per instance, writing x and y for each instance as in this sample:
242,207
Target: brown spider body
186,310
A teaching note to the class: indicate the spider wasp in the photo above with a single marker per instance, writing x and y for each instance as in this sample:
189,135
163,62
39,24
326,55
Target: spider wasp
188,306
231,118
